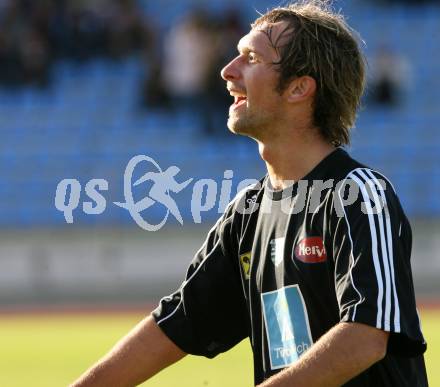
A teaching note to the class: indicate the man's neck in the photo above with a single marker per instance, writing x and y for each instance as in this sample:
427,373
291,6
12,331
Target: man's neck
289,160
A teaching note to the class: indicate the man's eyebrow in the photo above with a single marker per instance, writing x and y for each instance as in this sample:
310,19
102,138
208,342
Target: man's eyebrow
244,48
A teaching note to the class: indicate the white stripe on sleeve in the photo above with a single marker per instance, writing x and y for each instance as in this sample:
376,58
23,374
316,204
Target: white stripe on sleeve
373,248
378,214
390,254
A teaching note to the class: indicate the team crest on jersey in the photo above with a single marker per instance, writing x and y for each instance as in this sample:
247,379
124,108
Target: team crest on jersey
311,250
277,250
245,261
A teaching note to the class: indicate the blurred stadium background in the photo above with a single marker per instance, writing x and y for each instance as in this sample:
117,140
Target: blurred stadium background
87,85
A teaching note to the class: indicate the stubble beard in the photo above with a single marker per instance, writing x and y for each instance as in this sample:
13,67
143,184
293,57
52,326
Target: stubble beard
249,123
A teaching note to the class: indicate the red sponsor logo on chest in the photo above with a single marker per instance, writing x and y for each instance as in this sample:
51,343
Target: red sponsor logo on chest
311,250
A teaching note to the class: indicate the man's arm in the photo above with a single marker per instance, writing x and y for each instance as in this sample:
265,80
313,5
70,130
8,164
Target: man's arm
342,353
138,356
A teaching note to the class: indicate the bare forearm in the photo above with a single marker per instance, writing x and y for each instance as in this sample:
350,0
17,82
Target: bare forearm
341,354
137,357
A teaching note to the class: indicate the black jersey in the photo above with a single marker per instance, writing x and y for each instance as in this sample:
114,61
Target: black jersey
283,267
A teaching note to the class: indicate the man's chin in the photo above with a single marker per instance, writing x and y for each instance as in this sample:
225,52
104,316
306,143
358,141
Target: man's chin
237,126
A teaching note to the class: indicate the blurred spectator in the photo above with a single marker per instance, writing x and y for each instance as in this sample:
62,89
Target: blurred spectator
32,33
187,76
187,57
216,99
34,59
24,54
128,30
390,74
153,92
88,33
60,29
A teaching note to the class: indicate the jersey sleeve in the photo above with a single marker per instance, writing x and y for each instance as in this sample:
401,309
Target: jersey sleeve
371,248
207,314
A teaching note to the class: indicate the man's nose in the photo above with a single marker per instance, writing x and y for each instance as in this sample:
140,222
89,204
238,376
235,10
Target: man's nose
231,71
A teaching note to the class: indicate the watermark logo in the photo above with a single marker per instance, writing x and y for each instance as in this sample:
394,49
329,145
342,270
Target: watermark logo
161,187
164,182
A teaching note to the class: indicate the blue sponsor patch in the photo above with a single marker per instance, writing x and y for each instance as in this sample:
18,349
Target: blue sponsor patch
287,325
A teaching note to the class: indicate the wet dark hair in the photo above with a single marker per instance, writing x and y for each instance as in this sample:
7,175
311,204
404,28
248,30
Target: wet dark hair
318,42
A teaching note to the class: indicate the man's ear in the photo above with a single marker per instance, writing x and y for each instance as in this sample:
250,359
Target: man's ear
300,89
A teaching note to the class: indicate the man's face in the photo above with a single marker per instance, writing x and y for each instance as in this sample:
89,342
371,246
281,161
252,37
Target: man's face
252,80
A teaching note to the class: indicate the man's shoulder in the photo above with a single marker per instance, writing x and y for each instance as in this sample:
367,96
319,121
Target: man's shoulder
340,164
358,186
344,167
362,174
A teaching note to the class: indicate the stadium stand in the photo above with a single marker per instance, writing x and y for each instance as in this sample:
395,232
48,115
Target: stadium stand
87,124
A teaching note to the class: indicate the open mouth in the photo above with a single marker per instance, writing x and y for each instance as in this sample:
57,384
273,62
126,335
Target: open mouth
239,100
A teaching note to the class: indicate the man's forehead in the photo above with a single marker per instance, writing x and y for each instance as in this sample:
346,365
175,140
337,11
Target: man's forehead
261,37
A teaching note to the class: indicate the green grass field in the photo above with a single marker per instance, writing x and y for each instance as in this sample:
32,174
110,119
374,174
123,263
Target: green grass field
52,350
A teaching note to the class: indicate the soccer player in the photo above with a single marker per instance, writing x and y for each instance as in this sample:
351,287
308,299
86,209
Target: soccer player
313,263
